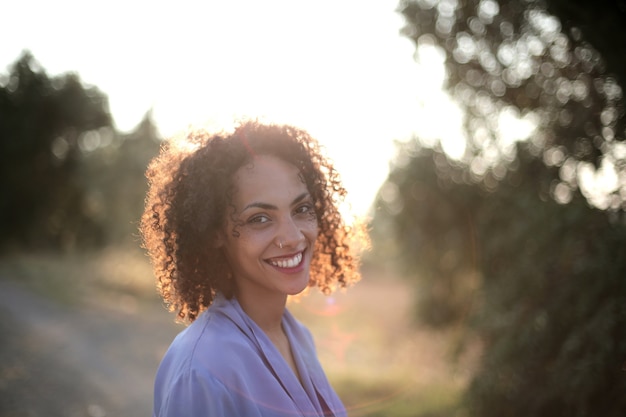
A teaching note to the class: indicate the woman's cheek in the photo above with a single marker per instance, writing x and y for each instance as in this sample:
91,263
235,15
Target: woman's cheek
312,229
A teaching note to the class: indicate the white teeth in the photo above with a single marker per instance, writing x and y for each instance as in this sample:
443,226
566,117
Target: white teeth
288,263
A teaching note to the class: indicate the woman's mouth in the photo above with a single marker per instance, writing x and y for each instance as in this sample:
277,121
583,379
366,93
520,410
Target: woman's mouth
288,262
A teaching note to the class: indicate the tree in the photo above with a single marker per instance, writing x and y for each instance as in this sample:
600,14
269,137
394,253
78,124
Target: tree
113,177
540,283
507,240
43,124
513,57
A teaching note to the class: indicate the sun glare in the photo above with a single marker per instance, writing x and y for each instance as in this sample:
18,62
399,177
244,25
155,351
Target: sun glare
439,118
349,79
340,70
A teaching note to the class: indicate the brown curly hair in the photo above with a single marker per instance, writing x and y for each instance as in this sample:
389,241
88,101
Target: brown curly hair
190,188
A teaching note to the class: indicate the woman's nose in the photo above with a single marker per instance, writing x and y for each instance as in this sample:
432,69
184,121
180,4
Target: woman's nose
290,233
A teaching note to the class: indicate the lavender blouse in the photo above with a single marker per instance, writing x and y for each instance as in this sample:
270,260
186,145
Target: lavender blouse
223,365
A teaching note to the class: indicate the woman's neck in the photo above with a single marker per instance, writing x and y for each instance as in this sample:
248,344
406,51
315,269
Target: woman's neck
265,311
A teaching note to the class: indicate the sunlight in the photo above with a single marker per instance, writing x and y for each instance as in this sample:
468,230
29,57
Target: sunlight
439,118
340,70
351,83
599,185
513,127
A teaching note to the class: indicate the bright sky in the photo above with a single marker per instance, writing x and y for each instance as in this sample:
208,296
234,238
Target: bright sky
339,69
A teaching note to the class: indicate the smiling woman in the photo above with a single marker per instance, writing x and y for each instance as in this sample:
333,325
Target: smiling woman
271,232
235,224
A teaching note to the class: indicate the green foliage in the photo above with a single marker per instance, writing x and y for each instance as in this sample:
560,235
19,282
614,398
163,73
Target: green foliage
113,178
506,241
601,22
42,121
541,283
515,58
432,230
553,314
67,178
375,398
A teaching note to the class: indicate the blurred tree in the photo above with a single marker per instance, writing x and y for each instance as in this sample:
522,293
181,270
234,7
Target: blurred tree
540,283
509,239
67,178
553,314
514,59
113,177
42,123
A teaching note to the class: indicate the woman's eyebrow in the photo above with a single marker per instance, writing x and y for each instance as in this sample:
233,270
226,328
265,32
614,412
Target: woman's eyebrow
300,198
263,206
266,206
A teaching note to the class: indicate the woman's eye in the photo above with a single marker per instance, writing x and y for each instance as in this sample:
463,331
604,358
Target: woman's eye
259,219
305,208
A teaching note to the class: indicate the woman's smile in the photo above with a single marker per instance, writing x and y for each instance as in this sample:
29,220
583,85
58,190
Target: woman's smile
272,229
288,264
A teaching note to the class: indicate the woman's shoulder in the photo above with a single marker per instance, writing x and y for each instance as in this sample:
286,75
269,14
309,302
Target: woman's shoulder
211,336
189,380
210,348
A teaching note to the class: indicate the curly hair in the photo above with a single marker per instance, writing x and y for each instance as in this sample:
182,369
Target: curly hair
190,188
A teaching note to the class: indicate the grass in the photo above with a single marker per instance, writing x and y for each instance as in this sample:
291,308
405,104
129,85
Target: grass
383,398
379,362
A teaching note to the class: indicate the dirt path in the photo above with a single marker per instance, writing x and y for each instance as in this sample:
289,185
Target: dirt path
95,362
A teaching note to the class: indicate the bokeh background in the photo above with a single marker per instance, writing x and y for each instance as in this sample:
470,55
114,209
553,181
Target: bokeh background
482,141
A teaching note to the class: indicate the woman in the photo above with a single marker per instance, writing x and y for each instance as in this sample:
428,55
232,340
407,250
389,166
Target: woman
235,224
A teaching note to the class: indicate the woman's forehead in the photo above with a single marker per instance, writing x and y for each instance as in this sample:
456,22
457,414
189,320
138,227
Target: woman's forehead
267,178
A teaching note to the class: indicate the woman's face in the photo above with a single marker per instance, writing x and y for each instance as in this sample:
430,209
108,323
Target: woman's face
272,208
